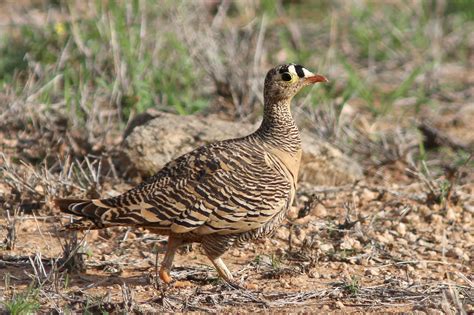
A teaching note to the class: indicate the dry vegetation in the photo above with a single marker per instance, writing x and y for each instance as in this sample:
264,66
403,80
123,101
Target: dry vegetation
400,101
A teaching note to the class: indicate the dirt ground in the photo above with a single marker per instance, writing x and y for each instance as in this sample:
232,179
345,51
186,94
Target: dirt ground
373,246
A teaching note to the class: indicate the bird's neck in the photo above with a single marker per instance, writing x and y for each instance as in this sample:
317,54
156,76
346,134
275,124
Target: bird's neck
278,127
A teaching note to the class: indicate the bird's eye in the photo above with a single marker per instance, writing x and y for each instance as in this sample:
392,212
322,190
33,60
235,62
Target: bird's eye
286,76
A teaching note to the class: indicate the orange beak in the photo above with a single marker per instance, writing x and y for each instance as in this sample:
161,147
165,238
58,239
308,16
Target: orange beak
316,79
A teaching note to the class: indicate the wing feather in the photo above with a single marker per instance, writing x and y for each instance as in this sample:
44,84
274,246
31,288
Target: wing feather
226,187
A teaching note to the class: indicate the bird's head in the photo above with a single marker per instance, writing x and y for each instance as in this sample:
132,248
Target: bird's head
284,81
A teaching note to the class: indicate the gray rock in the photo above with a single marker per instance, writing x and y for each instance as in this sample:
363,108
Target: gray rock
163,137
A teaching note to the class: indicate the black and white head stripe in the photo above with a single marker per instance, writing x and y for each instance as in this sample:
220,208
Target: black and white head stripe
299,70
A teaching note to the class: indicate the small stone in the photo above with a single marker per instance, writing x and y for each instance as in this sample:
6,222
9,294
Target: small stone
236,253
401,229
372,272
432,311
251,286
39,189
340,305
451,214
422,265
368,195
436,219
325,276
304,220
411,237
319,211
467,217
350,243
385,238
424,210
282,233
300,235
458,252
402,242
326,247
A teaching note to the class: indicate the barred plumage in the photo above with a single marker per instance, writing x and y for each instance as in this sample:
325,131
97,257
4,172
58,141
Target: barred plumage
226,192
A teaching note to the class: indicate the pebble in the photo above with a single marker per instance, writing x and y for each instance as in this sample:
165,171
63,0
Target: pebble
300,235
368,195
350,243
411,237
467,217
424,210
304,220
319,211
436,219
402,242
282,234
251,286
432,311
401,229
372,272
340,305
422,265
451,214
236,253
326,247
455,252
385,238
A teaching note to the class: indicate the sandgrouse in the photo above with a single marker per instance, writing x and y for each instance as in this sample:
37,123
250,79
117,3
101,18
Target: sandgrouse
221,194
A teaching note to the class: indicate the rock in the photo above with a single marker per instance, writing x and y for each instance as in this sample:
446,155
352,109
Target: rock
326,247
153,140
300,236
371,272
350,243
340,305
457,252
401,229
282,234
319,211
450,214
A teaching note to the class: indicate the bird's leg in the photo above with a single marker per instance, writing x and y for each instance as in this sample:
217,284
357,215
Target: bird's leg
222,269
166,265
215,246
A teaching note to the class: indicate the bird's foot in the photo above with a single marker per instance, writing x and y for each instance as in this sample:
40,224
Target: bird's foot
182,284
170,282
165,276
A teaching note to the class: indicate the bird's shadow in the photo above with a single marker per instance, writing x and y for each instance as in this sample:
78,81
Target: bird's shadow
24,270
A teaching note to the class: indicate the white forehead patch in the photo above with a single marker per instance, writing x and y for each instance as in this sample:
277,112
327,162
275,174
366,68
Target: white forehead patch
292,70
307,73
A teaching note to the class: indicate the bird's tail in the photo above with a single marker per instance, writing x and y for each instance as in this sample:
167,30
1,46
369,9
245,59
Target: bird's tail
91,212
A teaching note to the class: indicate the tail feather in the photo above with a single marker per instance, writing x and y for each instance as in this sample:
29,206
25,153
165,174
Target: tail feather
91,211
102,213
64,204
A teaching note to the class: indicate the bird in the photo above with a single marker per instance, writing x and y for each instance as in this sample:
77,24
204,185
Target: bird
221,194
